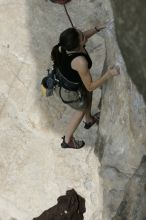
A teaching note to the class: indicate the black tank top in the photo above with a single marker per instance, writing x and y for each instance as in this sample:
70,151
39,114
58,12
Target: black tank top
66,69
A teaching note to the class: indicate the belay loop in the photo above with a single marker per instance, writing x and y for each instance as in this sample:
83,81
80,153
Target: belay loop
63,2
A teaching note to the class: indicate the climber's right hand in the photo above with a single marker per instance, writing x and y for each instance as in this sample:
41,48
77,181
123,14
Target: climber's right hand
114,70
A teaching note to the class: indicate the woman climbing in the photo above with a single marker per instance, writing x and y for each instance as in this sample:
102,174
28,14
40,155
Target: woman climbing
72,59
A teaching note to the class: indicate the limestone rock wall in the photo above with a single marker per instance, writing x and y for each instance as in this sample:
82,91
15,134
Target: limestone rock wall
121,141
34,170
133,204
130,21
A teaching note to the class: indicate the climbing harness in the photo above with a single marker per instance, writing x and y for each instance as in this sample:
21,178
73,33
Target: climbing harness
63,2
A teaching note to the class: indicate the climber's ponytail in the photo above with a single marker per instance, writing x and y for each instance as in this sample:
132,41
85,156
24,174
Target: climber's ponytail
56,55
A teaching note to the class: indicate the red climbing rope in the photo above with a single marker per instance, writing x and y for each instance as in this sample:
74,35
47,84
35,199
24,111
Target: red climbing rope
68,15
60,1
63,2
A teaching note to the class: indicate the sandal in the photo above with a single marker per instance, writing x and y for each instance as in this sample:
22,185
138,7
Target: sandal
95,119
76,144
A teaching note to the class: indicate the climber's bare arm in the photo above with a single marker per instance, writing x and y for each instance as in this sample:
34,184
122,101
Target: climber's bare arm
89,33
81,66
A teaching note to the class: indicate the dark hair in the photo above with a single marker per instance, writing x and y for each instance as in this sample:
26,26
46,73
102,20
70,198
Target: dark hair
68,40
44,82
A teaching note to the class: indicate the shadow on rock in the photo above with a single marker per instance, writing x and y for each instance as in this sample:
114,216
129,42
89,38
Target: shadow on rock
133,204
130,19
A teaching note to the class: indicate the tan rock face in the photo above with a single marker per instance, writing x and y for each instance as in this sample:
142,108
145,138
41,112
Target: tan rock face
122,134
34,170
133,43
133,204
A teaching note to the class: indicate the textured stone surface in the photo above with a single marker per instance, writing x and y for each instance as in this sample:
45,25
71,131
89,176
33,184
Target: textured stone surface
130,19
34,170
121,141
133,204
